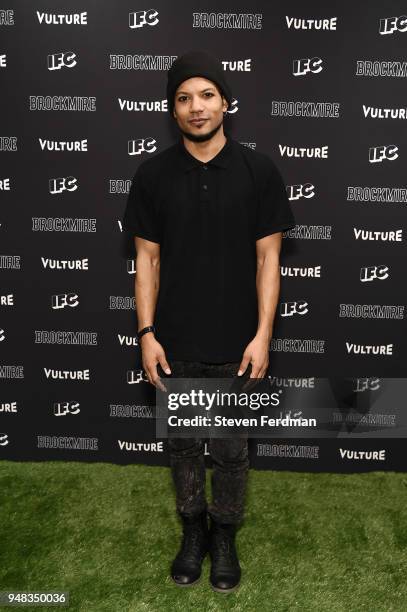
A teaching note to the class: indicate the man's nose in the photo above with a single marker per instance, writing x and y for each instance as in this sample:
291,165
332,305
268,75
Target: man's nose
196,104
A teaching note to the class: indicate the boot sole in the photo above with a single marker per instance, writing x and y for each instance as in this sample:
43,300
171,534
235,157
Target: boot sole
218,590
187,584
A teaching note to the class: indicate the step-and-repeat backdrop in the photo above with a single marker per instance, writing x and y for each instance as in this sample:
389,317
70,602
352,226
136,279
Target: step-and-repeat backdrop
319,87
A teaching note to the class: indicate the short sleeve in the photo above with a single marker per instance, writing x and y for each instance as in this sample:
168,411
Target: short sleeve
140,217
274,213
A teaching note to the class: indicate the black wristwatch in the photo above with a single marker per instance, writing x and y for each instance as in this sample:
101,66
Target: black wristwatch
145,330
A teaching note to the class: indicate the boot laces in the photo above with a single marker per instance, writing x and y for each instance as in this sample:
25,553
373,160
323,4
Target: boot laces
192,541
223,547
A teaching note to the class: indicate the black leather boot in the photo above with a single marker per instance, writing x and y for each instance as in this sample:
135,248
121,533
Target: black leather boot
187,565
225,569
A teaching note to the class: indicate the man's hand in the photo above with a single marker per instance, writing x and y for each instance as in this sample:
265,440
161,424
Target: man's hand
152,354
256,353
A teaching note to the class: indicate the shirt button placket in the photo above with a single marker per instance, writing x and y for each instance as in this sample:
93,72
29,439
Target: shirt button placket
204,185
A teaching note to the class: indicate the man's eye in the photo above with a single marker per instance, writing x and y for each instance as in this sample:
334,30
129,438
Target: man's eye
207,93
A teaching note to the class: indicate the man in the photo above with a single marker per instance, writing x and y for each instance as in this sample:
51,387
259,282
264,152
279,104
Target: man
207,214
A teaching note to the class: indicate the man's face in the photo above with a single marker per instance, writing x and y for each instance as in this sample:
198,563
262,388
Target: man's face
199,108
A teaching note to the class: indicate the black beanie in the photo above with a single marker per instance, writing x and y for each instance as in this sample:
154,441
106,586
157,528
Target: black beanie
192,64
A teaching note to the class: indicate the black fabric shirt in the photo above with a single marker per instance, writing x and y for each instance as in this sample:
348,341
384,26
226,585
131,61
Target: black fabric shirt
207,218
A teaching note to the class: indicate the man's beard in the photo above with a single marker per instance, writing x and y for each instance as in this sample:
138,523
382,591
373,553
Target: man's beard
201,137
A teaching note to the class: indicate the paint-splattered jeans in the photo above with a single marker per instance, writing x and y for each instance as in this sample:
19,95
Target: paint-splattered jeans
229,457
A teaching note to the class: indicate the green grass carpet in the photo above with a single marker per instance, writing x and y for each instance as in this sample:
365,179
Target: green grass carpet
107,534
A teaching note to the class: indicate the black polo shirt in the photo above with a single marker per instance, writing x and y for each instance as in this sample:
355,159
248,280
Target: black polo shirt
207,218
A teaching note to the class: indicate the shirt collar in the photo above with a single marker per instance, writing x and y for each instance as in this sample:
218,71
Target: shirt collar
188,161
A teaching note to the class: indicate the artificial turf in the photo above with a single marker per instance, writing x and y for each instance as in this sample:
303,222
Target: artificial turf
108,533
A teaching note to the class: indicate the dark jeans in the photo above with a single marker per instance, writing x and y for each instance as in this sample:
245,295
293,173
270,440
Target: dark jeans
229,457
